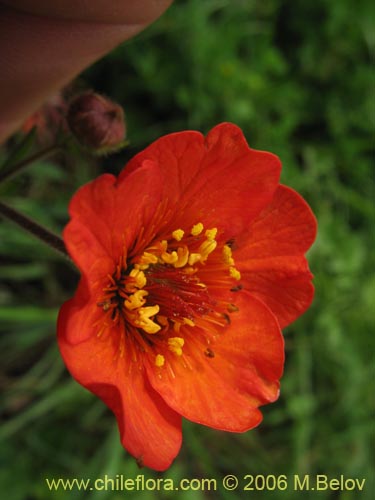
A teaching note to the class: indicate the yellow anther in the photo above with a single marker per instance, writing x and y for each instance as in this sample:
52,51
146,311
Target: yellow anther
143,267
211,233
234,273
144,320
139,276
163,245
191,271
188,321
207,247
136,300
147,258
147,312
159,360
169,258
194,258
183,257
227,255
197,229
178,234
175,344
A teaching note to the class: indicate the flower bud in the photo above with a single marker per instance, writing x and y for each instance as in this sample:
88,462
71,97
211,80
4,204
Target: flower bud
97,122
48,120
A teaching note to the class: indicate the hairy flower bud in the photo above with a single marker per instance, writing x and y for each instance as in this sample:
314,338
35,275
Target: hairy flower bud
97,122
48,120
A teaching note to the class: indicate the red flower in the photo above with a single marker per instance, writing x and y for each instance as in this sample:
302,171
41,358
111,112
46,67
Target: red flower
191,260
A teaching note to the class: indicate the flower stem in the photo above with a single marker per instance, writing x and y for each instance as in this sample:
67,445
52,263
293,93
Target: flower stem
45,235
40,155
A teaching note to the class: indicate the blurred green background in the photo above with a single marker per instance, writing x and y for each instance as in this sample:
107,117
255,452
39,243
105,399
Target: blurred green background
296,77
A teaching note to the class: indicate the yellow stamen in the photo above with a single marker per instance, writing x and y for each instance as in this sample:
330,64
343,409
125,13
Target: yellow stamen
175,344
191,271
159,360
127,295
227,255
211,233
178,234
145,321
169,258
183,257
163,245
136,300
206,248
197,229
188,321
139,276
234,273
194,258
147,258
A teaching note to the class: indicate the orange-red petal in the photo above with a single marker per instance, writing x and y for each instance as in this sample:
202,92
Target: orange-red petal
223,387
270,256
217,179
107,216
150,430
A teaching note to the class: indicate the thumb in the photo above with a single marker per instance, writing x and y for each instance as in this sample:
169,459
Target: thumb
44,45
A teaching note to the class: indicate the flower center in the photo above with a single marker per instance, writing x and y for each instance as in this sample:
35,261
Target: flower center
156,295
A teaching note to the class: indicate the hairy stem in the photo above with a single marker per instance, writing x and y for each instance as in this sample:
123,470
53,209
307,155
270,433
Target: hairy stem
16,169
43,234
